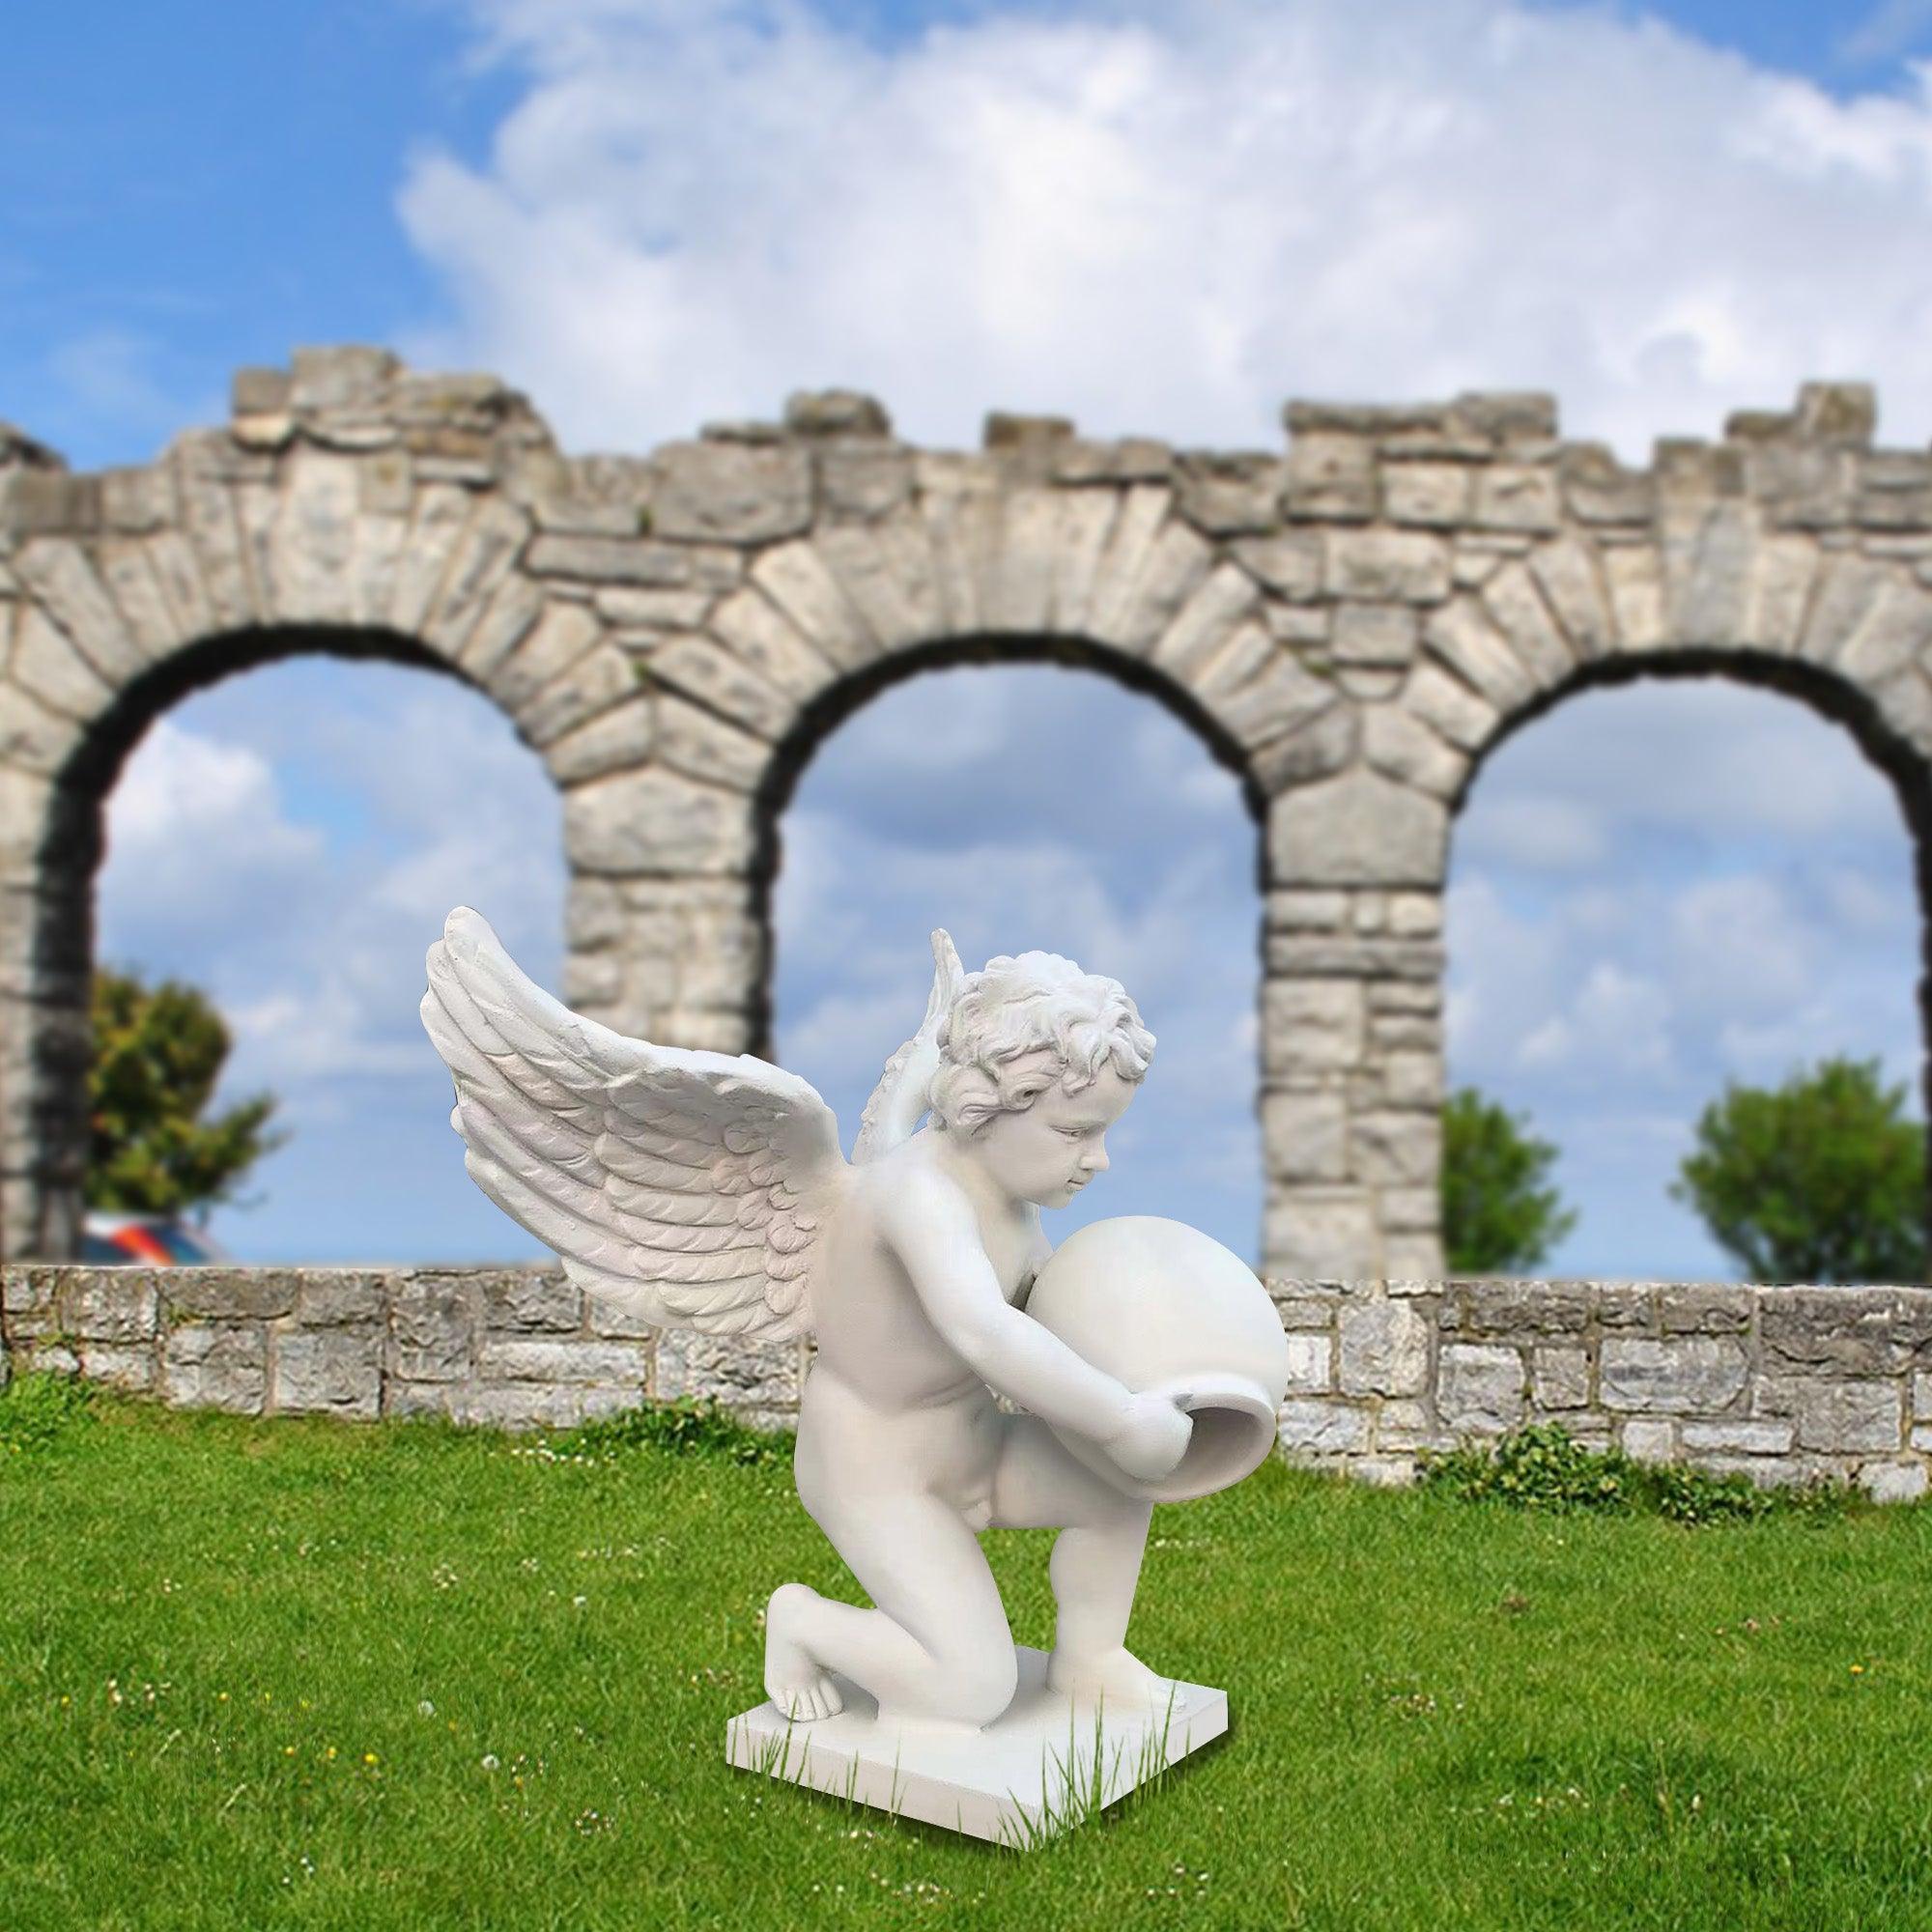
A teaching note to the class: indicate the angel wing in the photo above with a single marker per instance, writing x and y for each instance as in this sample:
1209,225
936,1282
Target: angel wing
692,1189
900,1098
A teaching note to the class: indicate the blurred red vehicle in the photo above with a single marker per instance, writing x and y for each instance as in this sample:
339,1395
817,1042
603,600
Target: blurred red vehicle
151,1240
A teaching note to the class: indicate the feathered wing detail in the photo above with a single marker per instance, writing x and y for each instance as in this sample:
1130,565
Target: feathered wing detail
692,1189
892,1113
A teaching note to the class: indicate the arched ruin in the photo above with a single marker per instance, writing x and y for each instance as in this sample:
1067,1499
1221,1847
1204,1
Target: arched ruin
1351,624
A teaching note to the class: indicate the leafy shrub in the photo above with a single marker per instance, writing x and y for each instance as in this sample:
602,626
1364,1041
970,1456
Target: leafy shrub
1544,1466
36,1409
686,1427
1541,1467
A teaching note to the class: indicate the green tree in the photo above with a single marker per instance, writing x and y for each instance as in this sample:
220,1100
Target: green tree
158,1054
1821,1180
1499,1214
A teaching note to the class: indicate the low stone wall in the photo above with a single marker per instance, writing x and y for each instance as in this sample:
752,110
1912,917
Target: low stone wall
1781,1384
511,1345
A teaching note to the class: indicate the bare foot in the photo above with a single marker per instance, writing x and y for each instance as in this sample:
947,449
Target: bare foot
1117,1678
793,1680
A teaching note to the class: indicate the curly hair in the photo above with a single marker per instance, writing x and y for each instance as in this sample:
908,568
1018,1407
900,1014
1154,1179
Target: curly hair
1017,1009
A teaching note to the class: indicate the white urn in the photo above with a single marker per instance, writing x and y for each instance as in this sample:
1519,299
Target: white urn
1167,1309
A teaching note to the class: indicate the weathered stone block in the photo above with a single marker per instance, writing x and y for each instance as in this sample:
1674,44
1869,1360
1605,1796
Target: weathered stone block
1402,747
344,376
864,479
432,1329
1893,1482
1516,605
1647,1439
260,392
731,492
1560,1377
744,1375
107,1304
1479,1387
1522,1307
1855,1330
1411,1211
1435,494
1624,1305
1836,412
1376,633
1310,1026
1324,744
1357,829
1384,1349
619,740
501,1359
1599,490
656,821
1309,1371
1388,566
1405,1427
1391,1149
217,1365
341,1298
1307,1135
1307,1425
1231,493
529,1300
1322,1235
1331,476
1676,1378
1448,705
1698,1308
1743,1438
129,1366
1922,1396
1849,1415
228,1293
1516,497
538,1405
1290,564
334,1370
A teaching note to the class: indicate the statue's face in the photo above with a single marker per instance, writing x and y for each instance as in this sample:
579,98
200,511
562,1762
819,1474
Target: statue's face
1049,1152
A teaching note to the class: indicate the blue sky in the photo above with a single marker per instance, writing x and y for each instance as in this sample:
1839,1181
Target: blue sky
649,213
187,188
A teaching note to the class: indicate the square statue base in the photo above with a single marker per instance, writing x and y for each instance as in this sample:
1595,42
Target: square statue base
1042,1766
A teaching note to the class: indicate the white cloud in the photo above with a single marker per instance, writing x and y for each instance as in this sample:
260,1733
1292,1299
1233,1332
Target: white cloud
183,795
1720,932
1010,848
1166,217
291,840
1537,832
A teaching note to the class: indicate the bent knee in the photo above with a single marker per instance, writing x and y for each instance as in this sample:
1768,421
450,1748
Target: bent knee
977,1692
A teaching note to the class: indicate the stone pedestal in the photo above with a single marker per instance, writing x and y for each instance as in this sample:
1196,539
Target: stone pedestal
1044,1767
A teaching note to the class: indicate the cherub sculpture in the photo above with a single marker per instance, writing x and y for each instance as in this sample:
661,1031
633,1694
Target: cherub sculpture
709,1191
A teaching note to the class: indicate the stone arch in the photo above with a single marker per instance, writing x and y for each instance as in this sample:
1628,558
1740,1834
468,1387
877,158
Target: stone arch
1352,621
1725,583
362,515
839,701
47,1033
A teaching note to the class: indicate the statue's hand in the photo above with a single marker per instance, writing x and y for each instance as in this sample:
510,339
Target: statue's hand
1152,1439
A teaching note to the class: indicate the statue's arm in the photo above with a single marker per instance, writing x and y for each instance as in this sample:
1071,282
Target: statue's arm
929,1225
1038,1257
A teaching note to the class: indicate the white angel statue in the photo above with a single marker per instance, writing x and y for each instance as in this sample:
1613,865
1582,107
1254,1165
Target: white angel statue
709,1191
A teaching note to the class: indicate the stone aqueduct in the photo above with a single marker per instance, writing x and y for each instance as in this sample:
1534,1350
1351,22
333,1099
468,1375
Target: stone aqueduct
1350,624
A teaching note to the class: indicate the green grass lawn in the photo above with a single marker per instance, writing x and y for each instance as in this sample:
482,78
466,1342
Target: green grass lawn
306,1674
